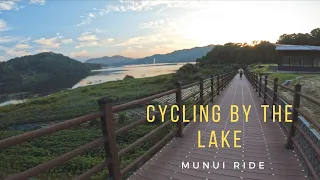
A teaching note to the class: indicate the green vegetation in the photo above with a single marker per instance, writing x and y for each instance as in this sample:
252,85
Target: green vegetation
73,103
41,73
80,101
240,53
263,68
33,153
257,52
93,66
312,38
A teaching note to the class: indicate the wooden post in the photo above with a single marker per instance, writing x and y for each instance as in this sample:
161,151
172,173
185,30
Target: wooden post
110,145
275,90
260,82
201,91
218,85
265,89
179,104
256,81
212,90
295,106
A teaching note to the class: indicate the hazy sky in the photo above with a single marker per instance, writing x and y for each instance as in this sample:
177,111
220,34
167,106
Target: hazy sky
88,28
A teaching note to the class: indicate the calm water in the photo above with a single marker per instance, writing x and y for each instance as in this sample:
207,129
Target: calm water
137,71
118,73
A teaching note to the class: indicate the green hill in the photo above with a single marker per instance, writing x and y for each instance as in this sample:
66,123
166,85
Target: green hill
40,73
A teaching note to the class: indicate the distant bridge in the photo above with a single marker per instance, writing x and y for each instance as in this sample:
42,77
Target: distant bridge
288,151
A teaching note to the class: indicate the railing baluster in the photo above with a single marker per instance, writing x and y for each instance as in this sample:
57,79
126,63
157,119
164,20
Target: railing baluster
274,98
179,104
295,106
212,89
218,84
260,82
108,130
222,81
201,91
265,89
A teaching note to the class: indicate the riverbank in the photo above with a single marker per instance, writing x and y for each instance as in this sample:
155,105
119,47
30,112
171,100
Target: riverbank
83,100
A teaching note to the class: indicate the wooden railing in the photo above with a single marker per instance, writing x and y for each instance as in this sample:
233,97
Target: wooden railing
260,83
106,114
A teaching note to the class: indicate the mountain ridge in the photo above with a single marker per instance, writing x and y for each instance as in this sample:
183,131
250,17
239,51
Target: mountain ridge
182,55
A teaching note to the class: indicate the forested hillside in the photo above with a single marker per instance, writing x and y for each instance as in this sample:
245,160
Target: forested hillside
184,55
263,51
43,72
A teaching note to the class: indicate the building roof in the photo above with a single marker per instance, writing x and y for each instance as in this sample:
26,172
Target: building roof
285,47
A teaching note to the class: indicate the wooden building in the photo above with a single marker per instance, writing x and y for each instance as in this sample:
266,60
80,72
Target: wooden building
298,58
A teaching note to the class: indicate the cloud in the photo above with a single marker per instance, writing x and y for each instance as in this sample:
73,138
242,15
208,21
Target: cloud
143,40
67,41
91,15
1,58
156,23
87,39
8,5
16,52
137,6
7,39
25,40
87,19
124,6
43,50
41,2
48,42
23,46
3,25
92,43
82,53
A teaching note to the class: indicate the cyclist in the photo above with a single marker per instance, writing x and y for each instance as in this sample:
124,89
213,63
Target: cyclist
240,72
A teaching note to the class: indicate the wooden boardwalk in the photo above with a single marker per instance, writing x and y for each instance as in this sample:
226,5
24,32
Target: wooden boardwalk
261,142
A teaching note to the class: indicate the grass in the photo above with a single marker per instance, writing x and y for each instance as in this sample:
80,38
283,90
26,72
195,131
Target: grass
80,101
267,68
310,86
287,76
73,103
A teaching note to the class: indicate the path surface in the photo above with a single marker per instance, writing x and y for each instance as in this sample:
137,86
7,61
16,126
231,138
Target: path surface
261,142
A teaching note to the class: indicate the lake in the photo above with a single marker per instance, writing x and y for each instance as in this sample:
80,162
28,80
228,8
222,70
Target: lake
118,73
137,71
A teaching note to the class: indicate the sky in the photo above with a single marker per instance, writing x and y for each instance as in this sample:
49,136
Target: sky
87,29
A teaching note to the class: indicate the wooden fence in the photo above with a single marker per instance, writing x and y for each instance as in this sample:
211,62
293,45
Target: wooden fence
307,142
206,93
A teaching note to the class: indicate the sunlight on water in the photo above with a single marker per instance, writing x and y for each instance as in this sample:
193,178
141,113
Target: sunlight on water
11,102
137,71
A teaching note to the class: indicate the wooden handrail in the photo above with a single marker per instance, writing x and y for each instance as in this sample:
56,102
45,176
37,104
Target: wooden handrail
285,87
106,116
150,152
191,95
57,161
131,147
316,101
296,111
141,101
93,170
309,119
14,140
190,85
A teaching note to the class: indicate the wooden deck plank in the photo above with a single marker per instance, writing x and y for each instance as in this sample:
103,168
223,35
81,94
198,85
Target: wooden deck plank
260,141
